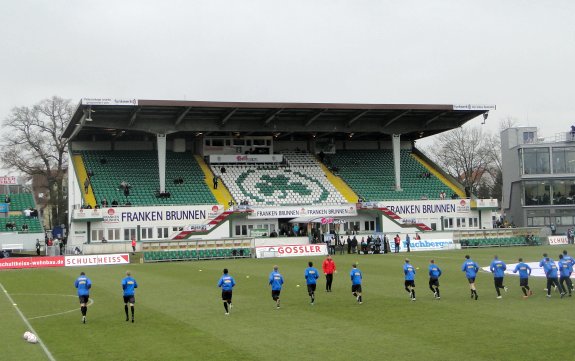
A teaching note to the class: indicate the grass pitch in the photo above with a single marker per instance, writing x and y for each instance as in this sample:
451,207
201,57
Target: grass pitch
179,313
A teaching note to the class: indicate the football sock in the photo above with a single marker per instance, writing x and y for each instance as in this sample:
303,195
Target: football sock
83,309
524,291
226,306
407,289
126,309
412,293
432,289
359,299
498,292
437,291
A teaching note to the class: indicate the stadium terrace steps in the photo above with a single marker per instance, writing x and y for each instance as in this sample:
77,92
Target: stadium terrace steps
221,194
34,225
370,173
140,170
433,170
300,181
498,242
18,203
82,175
340,185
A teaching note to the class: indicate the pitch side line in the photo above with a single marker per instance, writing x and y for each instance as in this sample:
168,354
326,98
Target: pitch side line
46,351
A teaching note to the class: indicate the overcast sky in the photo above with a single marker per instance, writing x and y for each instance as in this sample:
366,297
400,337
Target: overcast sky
517,54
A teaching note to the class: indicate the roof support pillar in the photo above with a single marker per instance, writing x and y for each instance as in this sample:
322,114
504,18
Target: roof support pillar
396,143
161,142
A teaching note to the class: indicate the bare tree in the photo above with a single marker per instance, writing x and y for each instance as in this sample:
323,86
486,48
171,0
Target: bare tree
32,144
466,154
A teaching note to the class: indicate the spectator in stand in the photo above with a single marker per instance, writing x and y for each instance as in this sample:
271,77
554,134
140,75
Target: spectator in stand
7,199
37,247
25,227
114,203
104,202
27,212
86,185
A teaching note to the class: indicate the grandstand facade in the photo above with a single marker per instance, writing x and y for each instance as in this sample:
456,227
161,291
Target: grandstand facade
161,171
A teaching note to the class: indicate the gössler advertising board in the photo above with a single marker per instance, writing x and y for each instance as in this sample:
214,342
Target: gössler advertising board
291,250
64,261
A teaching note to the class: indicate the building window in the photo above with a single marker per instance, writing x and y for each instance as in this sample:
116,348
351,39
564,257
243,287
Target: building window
536,161
242,230
369,225
129,234
97,234
537,221
114,234
528,137
147,232
537,193
163,232
563,160
563,191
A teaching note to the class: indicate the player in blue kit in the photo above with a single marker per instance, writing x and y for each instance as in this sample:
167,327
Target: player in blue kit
571,260
276,280
356,277
471,268
129,285
551,271
565,270
83,284
524,273
227,283
498,268
434,274
311,275
409,283
542,264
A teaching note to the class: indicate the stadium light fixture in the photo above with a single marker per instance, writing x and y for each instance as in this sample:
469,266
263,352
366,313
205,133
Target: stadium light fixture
89,114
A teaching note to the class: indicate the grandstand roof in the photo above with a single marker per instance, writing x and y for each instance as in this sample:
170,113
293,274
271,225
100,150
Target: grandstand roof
130,119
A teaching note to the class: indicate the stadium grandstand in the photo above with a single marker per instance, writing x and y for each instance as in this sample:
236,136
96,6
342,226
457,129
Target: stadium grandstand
225,177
